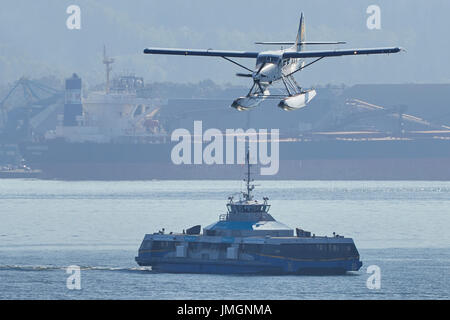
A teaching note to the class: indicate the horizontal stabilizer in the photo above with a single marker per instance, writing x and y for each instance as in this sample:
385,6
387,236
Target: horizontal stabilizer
337,53
277,43
323,42
291,43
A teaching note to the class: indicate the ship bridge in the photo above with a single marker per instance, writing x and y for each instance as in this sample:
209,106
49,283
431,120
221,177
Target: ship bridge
248,210
248,217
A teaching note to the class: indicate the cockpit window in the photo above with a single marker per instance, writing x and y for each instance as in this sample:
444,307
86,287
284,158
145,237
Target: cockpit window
267,59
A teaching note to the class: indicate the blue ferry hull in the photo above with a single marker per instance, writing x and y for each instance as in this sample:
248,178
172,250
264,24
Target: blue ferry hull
300,268
261,265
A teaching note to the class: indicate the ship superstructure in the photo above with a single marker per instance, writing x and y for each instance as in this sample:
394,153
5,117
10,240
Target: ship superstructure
247,239
115,114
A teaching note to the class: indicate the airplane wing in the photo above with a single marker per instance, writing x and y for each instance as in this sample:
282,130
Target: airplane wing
337,53
198,52
287,43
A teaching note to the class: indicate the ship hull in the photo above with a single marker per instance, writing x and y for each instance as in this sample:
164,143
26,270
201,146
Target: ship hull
326,160
20,174
432,169
248,255
271,266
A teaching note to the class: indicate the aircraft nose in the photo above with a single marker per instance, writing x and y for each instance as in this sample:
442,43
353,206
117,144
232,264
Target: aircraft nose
265,72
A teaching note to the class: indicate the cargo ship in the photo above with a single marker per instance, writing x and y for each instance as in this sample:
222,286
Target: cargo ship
310,160
119,134
248,240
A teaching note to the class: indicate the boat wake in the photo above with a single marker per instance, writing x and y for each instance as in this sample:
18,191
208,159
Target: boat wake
53,267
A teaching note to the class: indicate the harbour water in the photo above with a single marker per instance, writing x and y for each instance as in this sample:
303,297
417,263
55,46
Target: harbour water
45,226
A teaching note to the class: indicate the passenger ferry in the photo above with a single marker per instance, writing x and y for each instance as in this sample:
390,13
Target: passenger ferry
248,240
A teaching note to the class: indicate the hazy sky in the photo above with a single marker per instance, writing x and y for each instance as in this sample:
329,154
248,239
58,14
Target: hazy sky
34,39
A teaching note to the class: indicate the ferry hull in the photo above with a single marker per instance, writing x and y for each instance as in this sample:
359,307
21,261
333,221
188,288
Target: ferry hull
248,255
271,266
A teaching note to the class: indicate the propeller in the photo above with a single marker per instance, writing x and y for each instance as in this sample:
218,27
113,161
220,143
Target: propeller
257,82
245,75
250,75
260,68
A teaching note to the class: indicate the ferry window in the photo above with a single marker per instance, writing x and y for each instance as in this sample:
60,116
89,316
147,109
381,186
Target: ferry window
157,245
162,244
206,245
321,247
194,246
146,244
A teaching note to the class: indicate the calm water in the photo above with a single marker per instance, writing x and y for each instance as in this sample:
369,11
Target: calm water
45,226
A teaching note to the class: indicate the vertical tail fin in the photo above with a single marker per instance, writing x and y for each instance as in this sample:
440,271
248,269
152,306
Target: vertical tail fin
300,34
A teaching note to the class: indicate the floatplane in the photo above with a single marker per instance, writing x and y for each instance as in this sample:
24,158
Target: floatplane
275,66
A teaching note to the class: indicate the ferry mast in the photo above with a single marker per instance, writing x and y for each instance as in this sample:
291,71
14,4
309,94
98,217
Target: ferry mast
248,196
107,62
